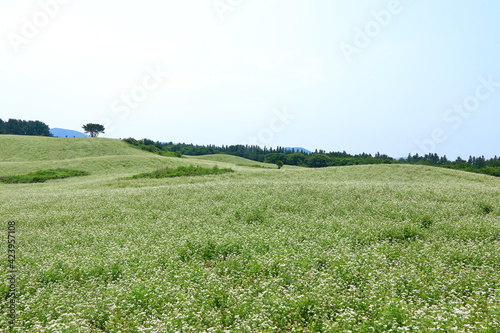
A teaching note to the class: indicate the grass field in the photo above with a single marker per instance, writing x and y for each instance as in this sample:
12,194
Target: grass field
386,248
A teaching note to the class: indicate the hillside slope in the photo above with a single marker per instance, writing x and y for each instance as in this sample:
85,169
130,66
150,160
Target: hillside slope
99,156
16,148
231,159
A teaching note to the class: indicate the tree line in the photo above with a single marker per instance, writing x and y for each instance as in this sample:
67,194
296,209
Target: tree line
472,164
35,127
266,155
319,158
24,127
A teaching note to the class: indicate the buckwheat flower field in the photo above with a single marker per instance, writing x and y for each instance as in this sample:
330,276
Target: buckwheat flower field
387,248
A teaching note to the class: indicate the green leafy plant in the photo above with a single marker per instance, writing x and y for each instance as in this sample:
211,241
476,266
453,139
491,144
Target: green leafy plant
42,175
485,208
182,171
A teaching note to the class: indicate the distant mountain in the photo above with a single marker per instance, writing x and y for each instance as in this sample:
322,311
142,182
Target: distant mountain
299,150
62,133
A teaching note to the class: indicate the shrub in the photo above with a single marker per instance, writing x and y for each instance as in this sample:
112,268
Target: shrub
182,171
426,222
42,175
485,208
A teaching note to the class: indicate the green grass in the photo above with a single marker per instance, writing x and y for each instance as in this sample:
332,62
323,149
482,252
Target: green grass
362,248
235,160
15,148
181,171
42,176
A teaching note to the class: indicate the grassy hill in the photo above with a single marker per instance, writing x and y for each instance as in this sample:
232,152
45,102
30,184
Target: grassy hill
99,156
38,148
360,248
235,160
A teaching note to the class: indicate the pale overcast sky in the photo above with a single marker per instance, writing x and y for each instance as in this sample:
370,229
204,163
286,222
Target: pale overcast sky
356,75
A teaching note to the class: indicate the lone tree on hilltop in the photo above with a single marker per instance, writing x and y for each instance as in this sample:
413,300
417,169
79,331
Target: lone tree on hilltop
279,163
93,129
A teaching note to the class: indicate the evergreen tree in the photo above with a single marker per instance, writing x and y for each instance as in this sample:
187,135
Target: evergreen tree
23,127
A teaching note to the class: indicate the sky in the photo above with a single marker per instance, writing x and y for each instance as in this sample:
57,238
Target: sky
388,76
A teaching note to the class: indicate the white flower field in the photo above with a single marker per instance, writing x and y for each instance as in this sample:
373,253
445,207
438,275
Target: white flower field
385,248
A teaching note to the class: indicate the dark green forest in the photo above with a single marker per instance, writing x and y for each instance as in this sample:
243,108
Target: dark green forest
24,127
319,158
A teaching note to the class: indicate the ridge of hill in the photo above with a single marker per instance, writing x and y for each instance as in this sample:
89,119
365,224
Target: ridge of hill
231,159
99,156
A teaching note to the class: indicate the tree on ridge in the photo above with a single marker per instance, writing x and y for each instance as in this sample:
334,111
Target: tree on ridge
93,129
